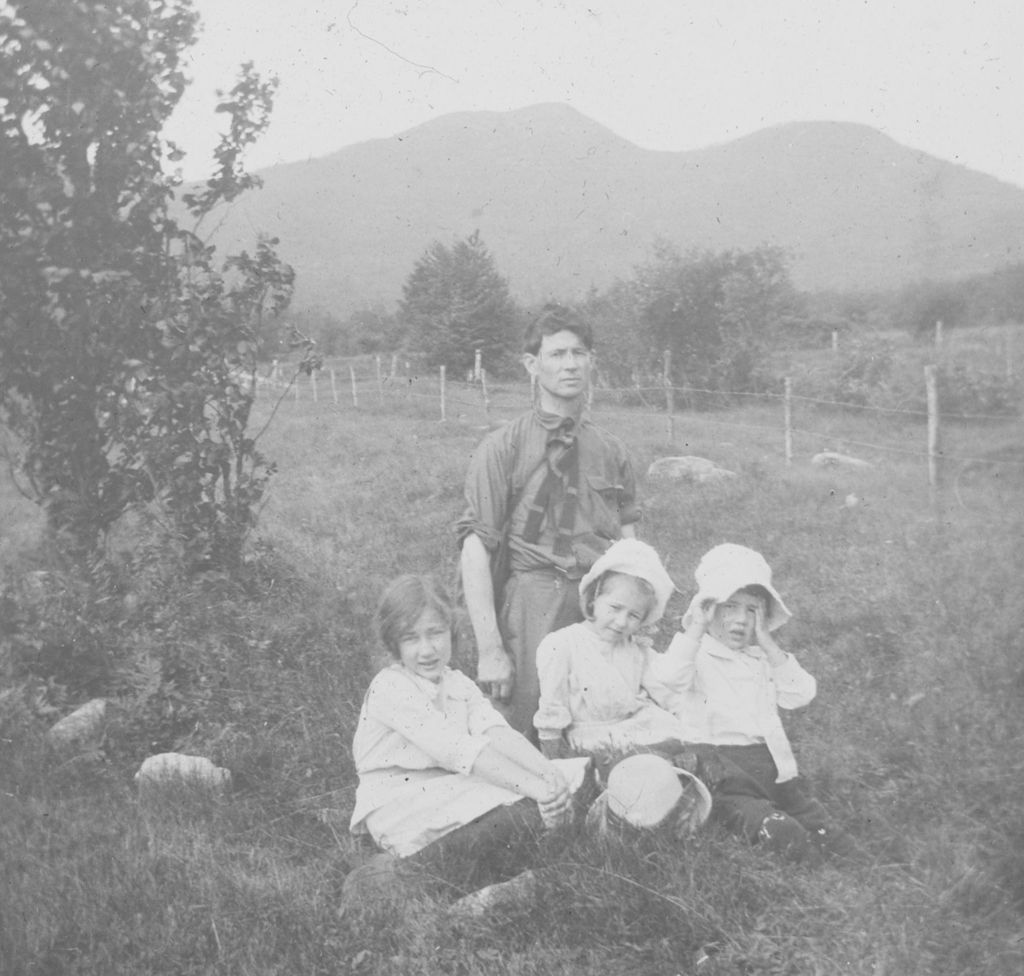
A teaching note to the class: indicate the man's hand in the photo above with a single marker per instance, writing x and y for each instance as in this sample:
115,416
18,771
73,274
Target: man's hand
495,673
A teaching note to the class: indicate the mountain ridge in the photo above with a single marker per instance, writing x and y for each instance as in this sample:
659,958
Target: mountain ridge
564,204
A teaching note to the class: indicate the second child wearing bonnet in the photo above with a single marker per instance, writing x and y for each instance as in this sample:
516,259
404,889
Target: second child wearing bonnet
725,678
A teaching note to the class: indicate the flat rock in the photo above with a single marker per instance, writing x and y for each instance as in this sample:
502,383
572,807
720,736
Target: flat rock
81,726
174,768
689,468
833,459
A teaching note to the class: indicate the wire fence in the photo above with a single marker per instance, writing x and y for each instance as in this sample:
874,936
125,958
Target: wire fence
374,383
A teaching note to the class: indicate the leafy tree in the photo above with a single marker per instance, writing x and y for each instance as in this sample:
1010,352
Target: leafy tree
621,350
717,313
126,353
455,302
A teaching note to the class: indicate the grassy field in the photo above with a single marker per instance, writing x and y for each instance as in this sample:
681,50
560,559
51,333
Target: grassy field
908,609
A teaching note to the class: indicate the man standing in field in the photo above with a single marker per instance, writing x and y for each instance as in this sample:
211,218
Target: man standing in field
546,494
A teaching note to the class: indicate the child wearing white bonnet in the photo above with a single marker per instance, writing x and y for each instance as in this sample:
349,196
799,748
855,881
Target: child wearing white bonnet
593,675
726,678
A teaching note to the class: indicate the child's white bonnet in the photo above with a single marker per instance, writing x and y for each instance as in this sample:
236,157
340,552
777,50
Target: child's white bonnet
728,568
634,558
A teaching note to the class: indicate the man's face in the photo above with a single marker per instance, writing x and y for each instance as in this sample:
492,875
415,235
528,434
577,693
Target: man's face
561,366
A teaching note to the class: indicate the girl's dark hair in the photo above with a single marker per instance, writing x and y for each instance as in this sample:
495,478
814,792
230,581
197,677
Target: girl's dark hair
593,591
402,602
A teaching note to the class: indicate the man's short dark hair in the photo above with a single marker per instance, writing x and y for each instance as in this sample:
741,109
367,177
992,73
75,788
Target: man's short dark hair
554,318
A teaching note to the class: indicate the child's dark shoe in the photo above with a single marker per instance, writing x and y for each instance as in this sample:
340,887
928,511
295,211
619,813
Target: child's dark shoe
833,842
782,834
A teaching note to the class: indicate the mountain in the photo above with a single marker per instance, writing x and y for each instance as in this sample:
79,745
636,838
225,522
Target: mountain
563,204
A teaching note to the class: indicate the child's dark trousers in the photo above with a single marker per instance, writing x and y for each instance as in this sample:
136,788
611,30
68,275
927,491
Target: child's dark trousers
746,796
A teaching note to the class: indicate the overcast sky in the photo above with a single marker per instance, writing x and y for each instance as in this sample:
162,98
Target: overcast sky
943,76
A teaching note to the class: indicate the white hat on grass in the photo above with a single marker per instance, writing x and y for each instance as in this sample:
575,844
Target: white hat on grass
645,791
633,558
728,568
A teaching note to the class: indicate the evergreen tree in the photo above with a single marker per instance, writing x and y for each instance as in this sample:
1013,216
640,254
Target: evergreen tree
455,302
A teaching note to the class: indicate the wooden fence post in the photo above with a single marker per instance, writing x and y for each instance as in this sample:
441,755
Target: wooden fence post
394,365
487,399
352,377
295,387
938,333
334,386
312,383
670,406
835,341
380,383
477,370
787,411
443,414
932,396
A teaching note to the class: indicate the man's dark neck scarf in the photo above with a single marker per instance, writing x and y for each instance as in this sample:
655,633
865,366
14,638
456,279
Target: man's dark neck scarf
563,470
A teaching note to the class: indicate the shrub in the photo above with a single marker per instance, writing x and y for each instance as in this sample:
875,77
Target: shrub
126,350
966,390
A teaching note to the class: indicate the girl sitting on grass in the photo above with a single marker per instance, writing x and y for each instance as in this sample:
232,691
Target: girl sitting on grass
443,780
594,689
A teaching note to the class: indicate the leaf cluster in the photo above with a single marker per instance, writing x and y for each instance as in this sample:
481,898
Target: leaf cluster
128,350
717,313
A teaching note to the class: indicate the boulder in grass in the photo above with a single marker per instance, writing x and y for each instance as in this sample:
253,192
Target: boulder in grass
690,468
81,727
833,459
168,769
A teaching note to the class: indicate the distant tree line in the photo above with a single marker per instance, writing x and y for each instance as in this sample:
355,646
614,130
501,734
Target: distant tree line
719,314
991,298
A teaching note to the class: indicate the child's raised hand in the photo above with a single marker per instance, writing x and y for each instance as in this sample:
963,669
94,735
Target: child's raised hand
700,614
761,632
763,636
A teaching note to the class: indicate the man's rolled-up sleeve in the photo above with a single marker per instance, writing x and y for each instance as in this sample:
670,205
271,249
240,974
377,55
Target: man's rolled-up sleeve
486,493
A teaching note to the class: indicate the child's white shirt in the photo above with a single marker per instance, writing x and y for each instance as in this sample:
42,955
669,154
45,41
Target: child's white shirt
727,697
596,693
